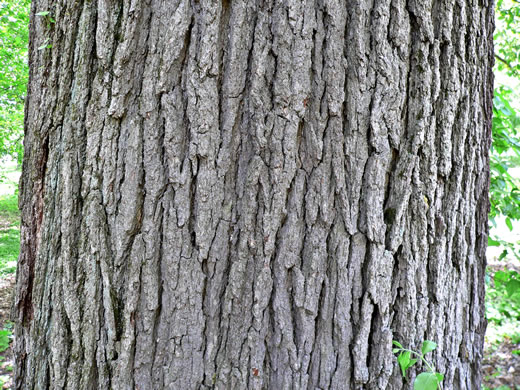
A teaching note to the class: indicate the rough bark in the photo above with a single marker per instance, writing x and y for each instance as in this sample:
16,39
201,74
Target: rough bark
253,194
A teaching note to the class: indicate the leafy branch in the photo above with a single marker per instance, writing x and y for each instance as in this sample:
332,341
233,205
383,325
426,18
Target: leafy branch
428,380
507,63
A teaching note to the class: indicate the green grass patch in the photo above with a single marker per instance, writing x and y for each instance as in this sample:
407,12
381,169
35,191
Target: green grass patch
9,177
9,250
9,213
9,233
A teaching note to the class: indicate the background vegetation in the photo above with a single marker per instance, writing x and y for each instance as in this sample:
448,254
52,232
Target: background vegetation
504,286
14,35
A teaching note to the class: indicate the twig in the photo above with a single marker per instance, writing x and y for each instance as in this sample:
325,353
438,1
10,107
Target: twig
511,67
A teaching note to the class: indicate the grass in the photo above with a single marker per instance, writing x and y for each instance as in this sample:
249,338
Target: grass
9,209
9,218
9,250
9,233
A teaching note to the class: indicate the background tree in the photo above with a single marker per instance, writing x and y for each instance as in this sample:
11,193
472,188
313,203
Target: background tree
253,194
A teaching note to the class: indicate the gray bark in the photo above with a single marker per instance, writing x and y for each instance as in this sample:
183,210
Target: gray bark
253,194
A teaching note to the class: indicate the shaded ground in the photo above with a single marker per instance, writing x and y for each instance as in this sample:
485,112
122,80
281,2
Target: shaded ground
502,366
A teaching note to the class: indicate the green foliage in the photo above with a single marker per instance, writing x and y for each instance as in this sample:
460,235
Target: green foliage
428,380
9,233
14,36
6,336
4,339
428,346
505,150
508,247
505,154
503,306
507,37
508,283
405,361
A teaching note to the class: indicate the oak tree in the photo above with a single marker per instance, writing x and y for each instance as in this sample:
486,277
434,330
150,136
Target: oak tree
253,194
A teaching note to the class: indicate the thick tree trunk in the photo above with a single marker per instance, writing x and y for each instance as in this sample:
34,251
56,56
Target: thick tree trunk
250,194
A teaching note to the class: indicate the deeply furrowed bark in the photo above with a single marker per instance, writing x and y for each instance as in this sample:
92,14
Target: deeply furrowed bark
249,194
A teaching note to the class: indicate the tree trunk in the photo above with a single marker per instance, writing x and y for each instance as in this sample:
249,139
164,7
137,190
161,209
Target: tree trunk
253,194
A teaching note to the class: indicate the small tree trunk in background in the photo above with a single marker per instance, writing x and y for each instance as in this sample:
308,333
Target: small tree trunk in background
250,194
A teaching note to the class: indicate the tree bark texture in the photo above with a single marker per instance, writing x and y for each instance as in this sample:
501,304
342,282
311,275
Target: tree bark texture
253,194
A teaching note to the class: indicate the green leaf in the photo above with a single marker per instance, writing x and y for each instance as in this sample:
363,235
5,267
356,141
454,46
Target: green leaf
502,255
4,339
426,381
492,242
43,13
395,350
501,277
493,222
509,224
512,287
404,360
428,346
397,344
